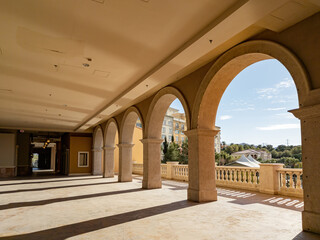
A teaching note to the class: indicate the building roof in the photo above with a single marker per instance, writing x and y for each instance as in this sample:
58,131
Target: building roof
245,162
248,151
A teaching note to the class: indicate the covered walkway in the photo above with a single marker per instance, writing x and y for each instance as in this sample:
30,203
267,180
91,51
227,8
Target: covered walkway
92,207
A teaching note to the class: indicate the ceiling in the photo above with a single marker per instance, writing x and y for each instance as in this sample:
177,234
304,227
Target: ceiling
68,65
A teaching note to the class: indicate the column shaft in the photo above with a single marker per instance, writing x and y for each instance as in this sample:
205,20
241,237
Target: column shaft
125,162
108,161
151,163
202,183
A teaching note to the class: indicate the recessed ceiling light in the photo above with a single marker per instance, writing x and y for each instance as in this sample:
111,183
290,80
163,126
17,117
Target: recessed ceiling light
98,1
85,64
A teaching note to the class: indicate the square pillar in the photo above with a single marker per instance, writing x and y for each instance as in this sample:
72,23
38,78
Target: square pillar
269,177
97,161
125,162
151,163
108,162
202,182
310,134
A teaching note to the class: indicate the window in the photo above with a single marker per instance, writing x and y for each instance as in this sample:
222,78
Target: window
139,125
164,122
163,130
163,136
170,137
170,130
170,123
182,139
182,126
177,139
83,159
177,125
176,131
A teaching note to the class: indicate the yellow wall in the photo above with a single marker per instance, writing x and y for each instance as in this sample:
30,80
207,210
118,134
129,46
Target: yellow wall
80,144
137,150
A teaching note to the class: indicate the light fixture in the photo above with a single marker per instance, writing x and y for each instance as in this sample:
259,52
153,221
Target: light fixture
85,64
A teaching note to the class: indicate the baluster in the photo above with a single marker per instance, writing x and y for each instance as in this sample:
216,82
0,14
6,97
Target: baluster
232,175
283,180
255,177
291,180
298,183
236,178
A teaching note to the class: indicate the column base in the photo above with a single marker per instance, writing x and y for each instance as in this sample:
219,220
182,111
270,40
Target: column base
108,175
311,222
202,195
151,185
122,179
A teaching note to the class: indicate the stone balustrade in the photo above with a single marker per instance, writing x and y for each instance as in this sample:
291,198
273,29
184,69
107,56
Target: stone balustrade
269,178
238,177
291,182
137,168
163,170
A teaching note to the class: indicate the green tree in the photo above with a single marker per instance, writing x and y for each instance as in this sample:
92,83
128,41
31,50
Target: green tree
173,153
183,157
165,146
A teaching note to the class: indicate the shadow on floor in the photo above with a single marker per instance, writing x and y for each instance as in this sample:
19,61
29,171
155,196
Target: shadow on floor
39,182
56,200
247,197
75,229
57,187
307,236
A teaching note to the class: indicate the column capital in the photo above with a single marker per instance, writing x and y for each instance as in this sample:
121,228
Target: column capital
151,140
109,147
96,149
201,132
125,145
306,112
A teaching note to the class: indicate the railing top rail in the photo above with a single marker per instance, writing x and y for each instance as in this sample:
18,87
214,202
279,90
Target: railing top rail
290,170
227,167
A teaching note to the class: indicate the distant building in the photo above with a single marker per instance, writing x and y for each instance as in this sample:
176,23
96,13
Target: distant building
256,154
174,124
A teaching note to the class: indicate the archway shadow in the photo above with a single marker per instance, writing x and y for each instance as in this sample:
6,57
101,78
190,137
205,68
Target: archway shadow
58,187
75,229
56,200
307,236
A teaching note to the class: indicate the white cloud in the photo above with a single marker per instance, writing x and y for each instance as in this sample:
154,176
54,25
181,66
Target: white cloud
279,127
225,117
243,109
285,115
276,109
285,84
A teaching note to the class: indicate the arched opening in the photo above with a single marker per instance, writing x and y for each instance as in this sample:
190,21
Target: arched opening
223,71
158,124
111,152
97,151
131,131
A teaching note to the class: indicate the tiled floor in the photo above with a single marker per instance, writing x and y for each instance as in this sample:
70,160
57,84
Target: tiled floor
92,207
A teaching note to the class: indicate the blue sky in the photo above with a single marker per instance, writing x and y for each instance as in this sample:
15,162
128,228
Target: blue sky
254,107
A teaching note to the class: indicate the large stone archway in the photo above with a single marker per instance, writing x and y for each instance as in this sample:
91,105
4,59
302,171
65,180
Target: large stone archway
110,132
152,134
125,145
97,151
207,101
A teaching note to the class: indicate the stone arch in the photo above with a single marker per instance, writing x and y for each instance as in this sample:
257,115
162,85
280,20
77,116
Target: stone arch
110,132
231,64
97,150
157,109
128,124
152,134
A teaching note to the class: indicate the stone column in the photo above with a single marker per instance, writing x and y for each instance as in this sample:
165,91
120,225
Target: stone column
151,163
108,161
202,183
97,161
125,162
269,177
310,134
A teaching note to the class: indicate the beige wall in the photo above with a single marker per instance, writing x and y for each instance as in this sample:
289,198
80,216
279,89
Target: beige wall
80,144
7,150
